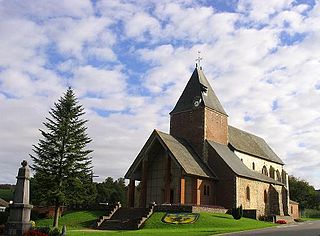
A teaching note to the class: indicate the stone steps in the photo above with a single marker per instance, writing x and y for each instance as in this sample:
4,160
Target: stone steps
127,219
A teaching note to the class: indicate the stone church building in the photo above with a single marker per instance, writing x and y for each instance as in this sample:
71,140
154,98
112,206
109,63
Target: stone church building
206,162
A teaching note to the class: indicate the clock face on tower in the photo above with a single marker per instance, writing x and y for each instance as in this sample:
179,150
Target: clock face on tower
196,102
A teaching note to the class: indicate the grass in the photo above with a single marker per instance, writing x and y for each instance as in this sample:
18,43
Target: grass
74,219
208,224
310,218
6,194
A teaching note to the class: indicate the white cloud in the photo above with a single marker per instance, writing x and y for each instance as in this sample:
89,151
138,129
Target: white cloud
20,41
129,63
71,35
260,10
98,82
140,24
46,9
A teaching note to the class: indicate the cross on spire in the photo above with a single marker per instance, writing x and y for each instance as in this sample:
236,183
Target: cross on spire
198,60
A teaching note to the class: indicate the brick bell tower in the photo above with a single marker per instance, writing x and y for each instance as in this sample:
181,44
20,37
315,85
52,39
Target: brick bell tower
198,115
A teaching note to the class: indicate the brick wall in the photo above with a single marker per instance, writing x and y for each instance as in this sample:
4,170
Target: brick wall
190,126
295,213
225,194
216,126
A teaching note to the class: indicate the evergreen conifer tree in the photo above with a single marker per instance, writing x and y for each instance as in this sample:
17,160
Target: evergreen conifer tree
61,162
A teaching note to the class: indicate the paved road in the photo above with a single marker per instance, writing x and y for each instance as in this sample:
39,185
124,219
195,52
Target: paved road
308,228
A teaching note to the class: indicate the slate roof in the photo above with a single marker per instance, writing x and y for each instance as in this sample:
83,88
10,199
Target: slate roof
198,86
249,143
237,166
180,151
293,202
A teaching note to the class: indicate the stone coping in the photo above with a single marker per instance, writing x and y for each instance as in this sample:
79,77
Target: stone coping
20,205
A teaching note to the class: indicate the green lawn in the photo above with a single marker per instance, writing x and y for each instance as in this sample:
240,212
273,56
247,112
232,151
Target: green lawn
307,218
208,224
6,194
74,219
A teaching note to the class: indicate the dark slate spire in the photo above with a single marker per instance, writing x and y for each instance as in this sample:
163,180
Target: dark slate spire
198,88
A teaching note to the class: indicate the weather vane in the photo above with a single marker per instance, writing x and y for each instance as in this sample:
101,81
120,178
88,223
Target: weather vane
198,60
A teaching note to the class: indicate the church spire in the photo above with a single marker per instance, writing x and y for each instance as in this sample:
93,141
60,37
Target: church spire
199,115
198,92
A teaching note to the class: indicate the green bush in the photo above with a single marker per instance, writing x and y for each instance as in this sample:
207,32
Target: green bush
45,230
4,217
55,232
311,213
237,212
299,220
266,218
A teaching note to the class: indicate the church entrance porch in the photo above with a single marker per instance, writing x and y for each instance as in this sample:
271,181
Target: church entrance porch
169,173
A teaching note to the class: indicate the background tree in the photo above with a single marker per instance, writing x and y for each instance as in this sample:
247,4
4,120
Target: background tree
61,162
302,192
111,191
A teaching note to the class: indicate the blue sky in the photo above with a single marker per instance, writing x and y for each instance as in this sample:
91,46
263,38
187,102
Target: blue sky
128,62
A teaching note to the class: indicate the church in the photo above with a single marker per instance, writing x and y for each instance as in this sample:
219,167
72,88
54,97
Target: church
204,161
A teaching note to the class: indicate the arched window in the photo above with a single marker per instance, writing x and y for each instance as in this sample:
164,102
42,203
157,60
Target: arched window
272,172
284,177
253,166
205,190
208,190
248,193
279,176
265,170
265,196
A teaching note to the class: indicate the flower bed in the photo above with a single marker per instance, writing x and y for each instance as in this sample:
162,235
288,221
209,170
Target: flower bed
281,222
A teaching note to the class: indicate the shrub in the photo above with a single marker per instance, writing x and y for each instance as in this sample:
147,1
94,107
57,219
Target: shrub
45,230
237,212
281,222
4,217
311,213
34,232
299,220
54,232
266,218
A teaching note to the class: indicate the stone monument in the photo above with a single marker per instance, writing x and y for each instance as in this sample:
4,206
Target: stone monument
20,210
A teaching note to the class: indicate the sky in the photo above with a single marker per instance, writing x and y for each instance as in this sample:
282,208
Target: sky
128,62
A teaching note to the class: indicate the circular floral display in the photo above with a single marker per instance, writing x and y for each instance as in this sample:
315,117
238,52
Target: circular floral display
180,218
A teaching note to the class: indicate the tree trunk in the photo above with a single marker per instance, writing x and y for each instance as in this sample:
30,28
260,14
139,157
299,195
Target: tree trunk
56,214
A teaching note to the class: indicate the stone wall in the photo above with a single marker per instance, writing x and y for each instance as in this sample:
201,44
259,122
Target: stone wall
188,208
260,163
266,198
197,209
173,208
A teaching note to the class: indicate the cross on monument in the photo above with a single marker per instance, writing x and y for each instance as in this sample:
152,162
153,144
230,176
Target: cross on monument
198,60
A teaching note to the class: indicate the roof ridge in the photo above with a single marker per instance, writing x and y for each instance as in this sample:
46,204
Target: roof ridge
246,132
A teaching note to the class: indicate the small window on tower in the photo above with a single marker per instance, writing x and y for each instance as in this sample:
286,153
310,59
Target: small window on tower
253,166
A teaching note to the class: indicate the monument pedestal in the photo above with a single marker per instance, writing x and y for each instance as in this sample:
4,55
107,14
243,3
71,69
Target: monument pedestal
20,210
